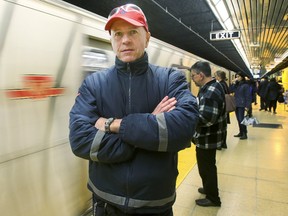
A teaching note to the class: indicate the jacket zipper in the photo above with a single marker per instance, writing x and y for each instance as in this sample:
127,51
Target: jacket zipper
129,111
129,90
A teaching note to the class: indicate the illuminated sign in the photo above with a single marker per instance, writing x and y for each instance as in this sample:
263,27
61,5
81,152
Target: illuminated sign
224,35
35,87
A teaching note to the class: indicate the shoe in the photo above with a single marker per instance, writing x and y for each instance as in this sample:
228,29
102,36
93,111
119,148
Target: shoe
206,203
238,135
219,148
274,113
201,190
243,137
260,109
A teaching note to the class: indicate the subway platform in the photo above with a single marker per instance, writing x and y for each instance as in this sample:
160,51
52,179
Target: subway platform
252,173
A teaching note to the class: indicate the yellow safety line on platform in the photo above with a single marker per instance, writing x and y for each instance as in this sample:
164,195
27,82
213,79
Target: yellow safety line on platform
186,161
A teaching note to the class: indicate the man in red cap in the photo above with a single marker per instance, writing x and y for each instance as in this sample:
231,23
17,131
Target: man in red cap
130,121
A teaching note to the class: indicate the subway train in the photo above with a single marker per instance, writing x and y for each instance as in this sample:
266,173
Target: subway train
47,48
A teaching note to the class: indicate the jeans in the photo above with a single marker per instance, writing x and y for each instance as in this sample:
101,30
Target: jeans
240,113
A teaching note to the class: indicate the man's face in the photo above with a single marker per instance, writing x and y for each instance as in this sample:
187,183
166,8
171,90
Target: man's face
197,78
128,41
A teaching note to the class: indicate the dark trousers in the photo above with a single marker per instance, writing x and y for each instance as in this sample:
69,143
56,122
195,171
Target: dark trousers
101,208
240,112
263,104
224,143
206,160
272,104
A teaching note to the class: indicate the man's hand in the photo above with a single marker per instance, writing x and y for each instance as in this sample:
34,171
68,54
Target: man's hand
100,124
166,105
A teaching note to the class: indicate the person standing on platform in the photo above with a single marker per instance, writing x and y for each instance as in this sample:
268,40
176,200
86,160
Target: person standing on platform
262,91
210,131
253,90
274,89
221,78
243,101
130,121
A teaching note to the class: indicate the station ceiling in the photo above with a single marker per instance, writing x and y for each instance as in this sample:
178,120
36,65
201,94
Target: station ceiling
263,26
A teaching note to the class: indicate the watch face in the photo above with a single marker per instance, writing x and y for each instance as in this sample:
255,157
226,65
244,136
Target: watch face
108,122
107,125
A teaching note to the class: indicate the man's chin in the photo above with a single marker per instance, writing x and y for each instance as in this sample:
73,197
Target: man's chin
128,59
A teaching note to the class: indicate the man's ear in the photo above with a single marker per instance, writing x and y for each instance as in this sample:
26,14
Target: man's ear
148,35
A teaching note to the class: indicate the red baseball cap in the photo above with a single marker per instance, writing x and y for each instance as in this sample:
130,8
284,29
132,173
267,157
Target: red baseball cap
130,13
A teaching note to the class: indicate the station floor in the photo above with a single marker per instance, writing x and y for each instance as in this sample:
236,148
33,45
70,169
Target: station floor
252,173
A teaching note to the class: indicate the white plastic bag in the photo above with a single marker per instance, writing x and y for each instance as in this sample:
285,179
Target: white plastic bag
249,120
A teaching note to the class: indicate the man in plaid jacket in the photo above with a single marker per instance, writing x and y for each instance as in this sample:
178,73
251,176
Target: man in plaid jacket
210,130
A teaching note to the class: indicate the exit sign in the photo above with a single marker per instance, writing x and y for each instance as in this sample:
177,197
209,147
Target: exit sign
224,35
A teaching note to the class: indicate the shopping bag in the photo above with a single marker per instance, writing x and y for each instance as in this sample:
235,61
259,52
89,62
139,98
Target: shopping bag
230,103
249,120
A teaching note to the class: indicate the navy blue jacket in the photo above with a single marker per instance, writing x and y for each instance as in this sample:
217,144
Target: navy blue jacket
136,169
262,89
273,91
243,97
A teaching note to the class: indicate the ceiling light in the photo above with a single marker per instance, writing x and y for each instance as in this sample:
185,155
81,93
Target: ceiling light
222,11
229,25
255,44
277,60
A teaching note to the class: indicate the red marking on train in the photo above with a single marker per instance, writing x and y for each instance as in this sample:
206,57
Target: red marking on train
35,87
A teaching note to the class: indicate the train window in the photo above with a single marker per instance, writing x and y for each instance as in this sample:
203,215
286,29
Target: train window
94,60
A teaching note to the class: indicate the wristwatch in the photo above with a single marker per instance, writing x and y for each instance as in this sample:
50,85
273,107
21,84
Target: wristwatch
108,122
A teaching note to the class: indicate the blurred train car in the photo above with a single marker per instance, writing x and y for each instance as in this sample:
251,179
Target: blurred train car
47,47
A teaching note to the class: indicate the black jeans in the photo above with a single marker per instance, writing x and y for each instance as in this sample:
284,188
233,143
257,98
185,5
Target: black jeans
101,208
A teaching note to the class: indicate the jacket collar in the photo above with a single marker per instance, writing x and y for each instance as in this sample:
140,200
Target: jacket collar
208,84
137,67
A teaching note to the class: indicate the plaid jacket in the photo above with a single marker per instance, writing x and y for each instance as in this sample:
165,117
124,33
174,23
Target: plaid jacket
212,119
